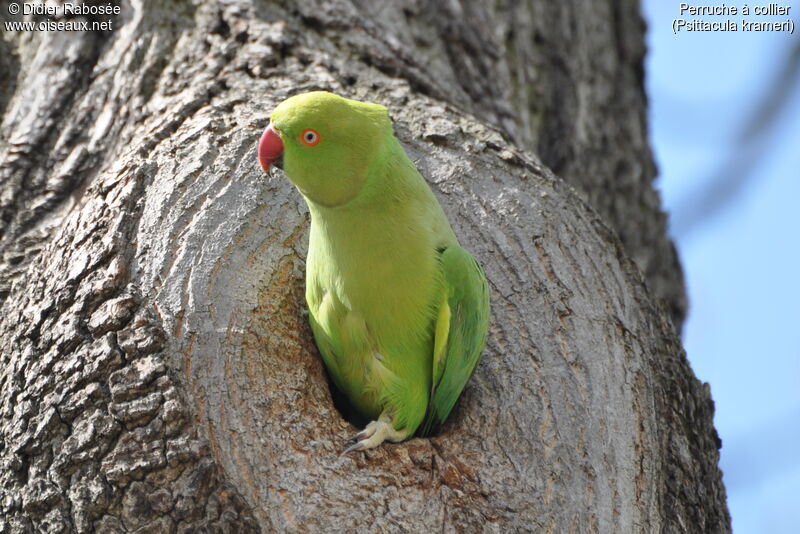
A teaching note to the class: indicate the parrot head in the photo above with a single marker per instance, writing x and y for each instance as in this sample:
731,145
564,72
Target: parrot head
327,144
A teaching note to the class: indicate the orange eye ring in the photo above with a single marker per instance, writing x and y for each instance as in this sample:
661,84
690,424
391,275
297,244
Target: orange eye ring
310,137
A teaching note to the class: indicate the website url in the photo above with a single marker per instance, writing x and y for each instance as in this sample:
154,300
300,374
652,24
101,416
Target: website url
57,26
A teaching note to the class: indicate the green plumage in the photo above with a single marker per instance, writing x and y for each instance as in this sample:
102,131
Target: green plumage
398,309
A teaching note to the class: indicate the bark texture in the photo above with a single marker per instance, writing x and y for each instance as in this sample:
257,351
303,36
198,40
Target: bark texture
157,372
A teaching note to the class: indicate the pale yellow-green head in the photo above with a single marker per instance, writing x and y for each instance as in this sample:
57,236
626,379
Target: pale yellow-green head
327,142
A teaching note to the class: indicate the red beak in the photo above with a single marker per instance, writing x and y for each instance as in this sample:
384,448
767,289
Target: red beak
270,148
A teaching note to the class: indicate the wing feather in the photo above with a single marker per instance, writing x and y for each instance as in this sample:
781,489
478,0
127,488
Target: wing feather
459,343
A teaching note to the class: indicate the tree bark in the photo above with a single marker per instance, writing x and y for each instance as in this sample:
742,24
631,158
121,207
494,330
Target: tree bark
157,371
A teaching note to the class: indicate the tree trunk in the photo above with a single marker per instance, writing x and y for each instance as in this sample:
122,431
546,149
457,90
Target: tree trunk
157,370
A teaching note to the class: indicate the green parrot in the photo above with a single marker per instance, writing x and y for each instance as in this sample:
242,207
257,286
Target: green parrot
399,310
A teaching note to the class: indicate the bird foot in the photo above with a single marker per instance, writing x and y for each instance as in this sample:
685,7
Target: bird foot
376,433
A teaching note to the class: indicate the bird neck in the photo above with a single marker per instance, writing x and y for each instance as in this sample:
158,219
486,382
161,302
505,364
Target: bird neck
388,190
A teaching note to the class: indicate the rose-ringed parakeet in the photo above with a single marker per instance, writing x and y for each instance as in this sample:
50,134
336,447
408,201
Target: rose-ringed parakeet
399,310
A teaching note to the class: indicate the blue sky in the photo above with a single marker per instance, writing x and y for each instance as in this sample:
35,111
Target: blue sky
742,262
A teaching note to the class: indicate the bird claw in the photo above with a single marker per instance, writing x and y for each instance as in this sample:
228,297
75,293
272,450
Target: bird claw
368,431
358,437
374,434
353,448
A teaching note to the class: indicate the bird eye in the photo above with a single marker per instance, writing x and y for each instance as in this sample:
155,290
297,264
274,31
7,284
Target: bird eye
309,137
